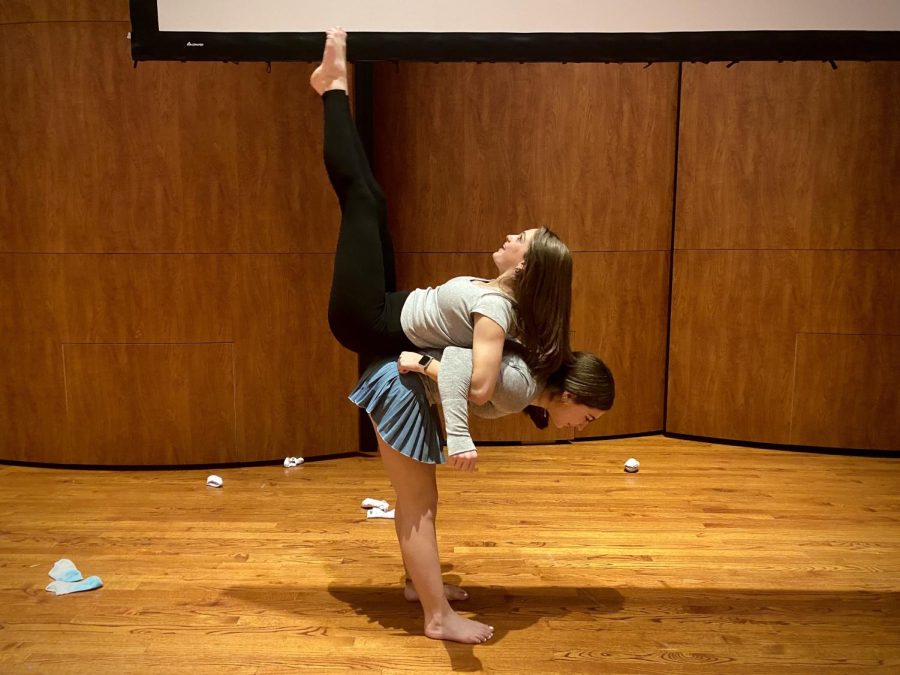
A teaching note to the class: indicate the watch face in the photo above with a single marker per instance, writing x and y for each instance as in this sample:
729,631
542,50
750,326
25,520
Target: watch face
424,360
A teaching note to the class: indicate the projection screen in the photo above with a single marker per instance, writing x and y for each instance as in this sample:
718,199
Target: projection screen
523,30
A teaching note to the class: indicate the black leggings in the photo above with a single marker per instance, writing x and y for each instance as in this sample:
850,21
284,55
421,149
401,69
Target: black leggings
364,307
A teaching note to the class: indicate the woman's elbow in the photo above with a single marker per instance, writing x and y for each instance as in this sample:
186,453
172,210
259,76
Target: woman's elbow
481,395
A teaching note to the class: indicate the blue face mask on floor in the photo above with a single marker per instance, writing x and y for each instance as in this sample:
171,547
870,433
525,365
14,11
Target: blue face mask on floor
69,580
65,587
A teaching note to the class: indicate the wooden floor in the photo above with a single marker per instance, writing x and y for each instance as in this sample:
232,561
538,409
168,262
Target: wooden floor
712,559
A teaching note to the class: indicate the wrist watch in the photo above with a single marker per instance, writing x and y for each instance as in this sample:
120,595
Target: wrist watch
424,361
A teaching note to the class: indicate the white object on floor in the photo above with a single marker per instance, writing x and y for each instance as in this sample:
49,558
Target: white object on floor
369,503
380,513
65,570
291,462
66,587
214,481
632,465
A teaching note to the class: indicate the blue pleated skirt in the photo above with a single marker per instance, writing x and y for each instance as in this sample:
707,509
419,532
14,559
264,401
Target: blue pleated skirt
399,405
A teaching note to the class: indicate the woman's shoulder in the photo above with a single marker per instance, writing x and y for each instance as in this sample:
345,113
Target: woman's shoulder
467,279
473,287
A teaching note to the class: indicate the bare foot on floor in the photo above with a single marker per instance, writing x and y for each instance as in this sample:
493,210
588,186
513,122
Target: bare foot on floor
452,626
452,592
332,73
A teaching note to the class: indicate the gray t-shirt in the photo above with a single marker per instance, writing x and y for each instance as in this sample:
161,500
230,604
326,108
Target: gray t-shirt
443,316
515,389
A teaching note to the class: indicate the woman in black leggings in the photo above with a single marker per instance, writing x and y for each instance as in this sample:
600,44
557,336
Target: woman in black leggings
529,301
364,307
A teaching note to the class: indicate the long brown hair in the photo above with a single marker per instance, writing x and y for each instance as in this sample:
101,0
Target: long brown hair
587,379
543,299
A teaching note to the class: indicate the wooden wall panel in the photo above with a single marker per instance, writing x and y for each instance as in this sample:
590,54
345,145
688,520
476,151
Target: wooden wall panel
851,378
853,292
620,312
789,156
293,377
290,377
173,205
736,316
22,11
147,298
731,344
31,397
467,152
32,401
149,404
168,157
787,224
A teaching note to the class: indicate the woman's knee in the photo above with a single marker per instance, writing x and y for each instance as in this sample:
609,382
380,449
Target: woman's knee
345,327
417,499
419,496
354,319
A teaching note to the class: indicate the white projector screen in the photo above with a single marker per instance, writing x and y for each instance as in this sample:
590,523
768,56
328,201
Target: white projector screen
526,30
526,16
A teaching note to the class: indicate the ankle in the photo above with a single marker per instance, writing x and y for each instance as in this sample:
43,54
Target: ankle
439,617
337,84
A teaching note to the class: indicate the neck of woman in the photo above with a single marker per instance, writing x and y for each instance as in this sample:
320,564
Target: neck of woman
503,283
543,399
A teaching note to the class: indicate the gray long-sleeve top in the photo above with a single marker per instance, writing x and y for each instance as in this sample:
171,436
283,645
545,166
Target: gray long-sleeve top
515,389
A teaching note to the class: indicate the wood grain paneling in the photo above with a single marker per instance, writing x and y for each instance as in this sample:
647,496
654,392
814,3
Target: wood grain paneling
291,377
169,157
124,195
620,311
149,404
853,292
469,152
850,378
22,11
789,156
32,398
32,401
148,298
797,165
735,318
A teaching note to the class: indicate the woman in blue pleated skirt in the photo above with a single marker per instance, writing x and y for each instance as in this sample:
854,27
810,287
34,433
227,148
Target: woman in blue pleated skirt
401,405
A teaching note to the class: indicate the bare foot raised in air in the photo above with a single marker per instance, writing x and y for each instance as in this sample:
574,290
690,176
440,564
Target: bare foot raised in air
450,591
332,73
451,626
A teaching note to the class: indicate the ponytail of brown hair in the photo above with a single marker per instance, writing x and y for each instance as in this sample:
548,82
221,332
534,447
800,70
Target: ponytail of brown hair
543,297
